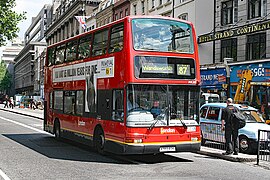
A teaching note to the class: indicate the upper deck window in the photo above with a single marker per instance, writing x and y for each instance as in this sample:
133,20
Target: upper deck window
60,54
100,43
162,35
117,38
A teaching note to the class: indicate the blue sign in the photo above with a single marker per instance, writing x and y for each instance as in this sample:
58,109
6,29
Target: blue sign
261,72
213,78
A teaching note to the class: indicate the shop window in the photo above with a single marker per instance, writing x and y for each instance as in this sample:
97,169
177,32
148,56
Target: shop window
229,49
227,12
256,46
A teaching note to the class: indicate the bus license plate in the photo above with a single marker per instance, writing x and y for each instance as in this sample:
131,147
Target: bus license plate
166,149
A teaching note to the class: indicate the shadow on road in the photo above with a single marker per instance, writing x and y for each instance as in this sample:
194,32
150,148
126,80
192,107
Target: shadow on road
69,150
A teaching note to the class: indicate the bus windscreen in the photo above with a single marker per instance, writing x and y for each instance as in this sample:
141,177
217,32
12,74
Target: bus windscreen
162,36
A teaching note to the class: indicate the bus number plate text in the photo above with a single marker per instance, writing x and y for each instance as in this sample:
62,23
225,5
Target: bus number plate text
166,149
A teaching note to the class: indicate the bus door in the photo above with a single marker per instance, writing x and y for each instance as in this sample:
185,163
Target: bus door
107,101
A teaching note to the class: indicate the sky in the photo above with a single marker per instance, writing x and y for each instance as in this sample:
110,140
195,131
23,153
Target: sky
32,8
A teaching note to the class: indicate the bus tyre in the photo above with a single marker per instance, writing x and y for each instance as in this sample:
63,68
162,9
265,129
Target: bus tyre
244,144
99,141
57,131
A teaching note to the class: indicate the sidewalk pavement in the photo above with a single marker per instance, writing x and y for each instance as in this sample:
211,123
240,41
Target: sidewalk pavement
37,113
204,150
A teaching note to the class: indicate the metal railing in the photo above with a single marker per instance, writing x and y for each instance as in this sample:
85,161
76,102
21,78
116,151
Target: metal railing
213,136
263,153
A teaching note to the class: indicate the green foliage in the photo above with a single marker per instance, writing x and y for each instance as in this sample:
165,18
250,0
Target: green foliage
5,78
9,21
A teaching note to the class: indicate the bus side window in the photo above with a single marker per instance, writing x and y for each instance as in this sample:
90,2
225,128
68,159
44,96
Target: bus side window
118,105
69,102
71,50
100,43
51,100
58,100
116,38
60,54
79,102
51,56
84,46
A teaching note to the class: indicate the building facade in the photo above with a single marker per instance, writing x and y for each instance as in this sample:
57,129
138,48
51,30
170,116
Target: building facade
121,9
62,23
241,40
104,13
25,68
10,52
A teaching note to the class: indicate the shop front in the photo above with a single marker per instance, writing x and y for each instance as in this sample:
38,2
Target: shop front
213,80
259,94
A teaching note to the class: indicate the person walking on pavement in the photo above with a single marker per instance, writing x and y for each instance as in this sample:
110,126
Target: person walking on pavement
6,101
11,102
231,131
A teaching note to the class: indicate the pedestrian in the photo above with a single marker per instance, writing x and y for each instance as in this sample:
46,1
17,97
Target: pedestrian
6,101
11,102
231,131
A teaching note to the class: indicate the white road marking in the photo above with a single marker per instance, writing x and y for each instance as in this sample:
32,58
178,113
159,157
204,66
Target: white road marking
24,125
4,175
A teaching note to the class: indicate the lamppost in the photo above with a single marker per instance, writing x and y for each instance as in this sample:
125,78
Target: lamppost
228,73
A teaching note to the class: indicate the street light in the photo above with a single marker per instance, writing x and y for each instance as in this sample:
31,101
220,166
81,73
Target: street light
228,73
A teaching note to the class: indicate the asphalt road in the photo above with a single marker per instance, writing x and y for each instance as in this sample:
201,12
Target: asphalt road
27,152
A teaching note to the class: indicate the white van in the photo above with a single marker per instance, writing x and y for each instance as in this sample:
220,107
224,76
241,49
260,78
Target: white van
209,98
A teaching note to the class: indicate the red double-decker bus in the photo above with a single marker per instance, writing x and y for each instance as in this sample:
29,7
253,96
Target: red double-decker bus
129,87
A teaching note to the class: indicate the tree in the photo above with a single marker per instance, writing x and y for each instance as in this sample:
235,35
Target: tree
5,78
9,21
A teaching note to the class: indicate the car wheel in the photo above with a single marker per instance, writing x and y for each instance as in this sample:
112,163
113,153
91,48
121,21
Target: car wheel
244,145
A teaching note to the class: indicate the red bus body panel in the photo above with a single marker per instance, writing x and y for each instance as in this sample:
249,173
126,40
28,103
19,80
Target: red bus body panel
120,138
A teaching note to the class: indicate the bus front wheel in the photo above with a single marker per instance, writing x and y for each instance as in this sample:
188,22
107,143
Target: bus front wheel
99,141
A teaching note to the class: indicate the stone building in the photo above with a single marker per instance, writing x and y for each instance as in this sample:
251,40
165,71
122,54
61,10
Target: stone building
62,23
24,68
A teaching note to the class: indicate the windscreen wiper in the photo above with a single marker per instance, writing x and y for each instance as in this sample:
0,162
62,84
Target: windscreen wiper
153,124
184,124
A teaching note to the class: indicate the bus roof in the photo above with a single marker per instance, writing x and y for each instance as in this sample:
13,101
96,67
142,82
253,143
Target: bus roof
121,20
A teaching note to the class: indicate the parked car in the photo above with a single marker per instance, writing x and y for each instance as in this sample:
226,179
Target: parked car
210,118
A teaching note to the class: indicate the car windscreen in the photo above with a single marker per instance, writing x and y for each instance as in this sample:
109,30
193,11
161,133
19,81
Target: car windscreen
252,116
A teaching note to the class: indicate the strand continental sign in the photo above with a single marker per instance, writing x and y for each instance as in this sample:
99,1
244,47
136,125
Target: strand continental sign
241,30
